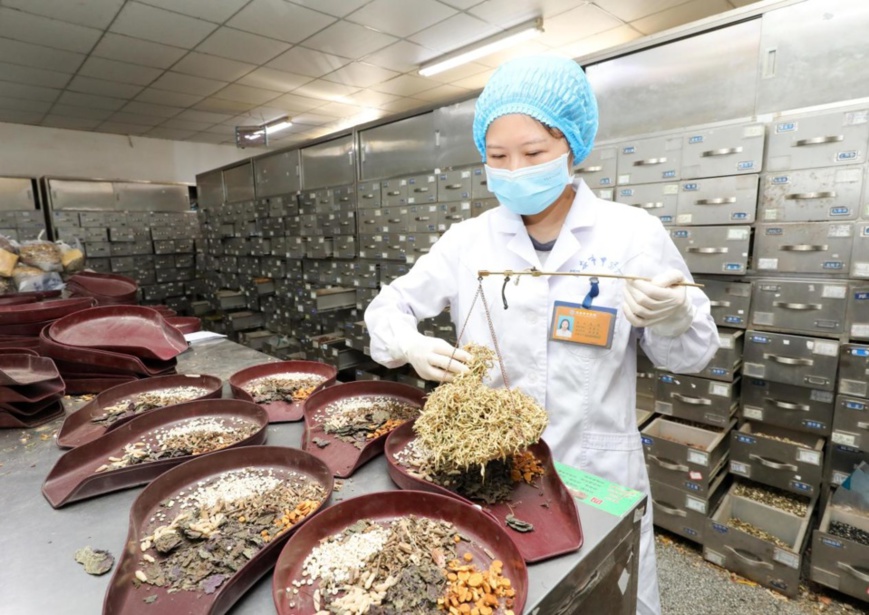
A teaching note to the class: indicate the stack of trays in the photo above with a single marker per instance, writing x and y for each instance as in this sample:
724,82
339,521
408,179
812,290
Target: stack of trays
101,347
106,288
21,320
30,390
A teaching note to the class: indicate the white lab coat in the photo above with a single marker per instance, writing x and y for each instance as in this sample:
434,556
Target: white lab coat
589,392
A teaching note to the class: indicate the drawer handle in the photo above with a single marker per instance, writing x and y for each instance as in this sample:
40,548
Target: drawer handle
369,221
694,401
649,162
422,218
785,405
719,303
393,220
749,558
670,510
649,205
805,247
394,193
484,182
802,307
707,250
588,169
716,201
420,189
453,186
770,463
788,360
806,196
669,465
344,199
853,571
819,140
368,196
724,151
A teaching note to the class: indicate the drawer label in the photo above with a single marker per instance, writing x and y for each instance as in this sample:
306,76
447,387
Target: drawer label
755,414
689,531
854,405
821,396
745,165
693,503
786,127
721,529
833,265
737,467
861,331
860,352
681,233
774,231
754,370
699,458
691,187
630,149
666,218
740,215
832,543
695,139
791,560
781,179
759,339
719,390
647,441
692,486
839,477
668,174
726,342
827,349
861,295
738,234
626,192
733,267
861,270
668,379
839,211
839,230
813,424
767,263
847,156
671,189
605,181
800,486
742,438
684,219
834,292
808,456
844,438
718,371
733,320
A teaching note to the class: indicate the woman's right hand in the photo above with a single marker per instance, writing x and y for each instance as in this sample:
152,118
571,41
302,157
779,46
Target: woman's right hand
435,359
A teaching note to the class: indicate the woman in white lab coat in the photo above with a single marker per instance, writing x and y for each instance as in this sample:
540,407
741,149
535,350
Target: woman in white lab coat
534,120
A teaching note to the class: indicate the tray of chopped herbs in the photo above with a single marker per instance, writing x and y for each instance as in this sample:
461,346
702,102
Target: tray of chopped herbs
400,552
203,533
283,386
149,445
346,425
523,492
117,405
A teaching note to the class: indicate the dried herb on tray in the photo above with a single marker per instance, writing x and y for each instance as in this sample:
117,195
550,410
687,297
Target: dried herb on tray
288,387
194,436
358,420
204,535
148,400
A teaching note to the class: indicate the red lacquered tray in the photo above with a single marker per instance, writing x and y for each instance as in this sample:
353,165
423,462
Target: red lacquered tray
104,285
28,313
101,358
185,324
281,411
11,421
24,369
95,384
546,504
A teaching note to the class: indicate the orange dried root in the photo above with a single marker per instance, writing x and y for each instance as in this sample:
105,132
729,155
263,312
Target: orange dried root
385,428
292,517
303,393
474,592
526,467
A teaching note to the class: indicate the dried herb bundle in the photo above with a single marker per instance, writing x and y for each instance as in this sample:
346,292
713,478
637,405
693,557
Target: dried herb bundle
466,424
358,420
289,387
149,400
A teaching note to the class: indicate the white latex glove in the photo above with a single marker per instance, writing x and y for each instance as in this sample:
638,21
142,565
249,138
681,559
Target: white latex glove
659,305
430,358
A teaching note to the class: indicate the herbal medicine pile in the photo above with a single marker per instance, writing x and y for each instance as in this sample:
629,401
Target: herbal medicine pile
287,387
360,420
137,404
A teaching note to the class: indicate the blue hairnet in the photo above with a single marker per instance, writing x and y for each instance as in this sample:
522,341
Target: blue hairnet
550,89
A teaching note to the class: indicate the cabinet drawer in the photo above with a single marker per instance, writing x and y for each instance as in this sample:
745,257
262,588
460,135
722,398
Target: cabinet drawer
372,221
727,150
368,195
419,244
778,457
720,200
730,301
479,184
812,195
801,361
696,399
813,308
713,249
817,247
684,513
727,360
644,161
482,205
660,200
423,218
851,422
452,213
807,141
599,168
860,255
393,192
796,408
858,311
854,370
838,562
455,185
422,189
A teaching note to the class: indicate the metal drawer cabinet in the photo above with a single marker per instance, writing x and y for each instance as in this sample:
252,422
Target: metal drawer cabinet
308,224
685,457
683,513
818,140
644,161
851,422
713,249
395,219
814,247
455,185
325,201
795,408
858,311
599,168
419,244
344,223
801,361
838,562
727,150
480,184
660,200
482,205
308,201
368,195
696,399
372,221
365,274
453,213
394,192
423,218
296,247
371,246
810,307
854,370
730,301
860,255
719,200
395,246
727,360
778,457
841,462
344,198
345,246
392,271
422,189
812,195
760,560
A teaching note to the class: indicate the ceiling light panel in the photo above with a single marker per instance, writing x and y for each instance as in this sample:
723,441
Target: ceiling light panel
455,32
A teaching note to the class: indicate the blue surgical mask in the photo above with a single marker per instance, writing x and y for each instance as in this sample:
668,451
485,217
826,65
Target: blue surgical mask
529,190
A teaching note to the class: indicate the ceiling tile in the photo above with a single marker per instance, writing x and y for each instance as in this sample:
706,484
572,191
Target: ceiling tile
205,137
337,109
243,46
360,74
137,51
459,72
247,94
577,24
630,10
29,28
122,128
186,125
176,82
457,31
679,15
33,76
171,99
217,105
405,85
326,90
507,13
170,133
401,17
93,13
81,112
442,93
477,82
89,85
599,42
302,61
217,11
403,56
30,92
20,117
212,67
151,109
122,72
203,116
462,4
338,8
296,103
37,56
313,119
92,102
279,19
70,123
272,79
404,104
137,118
370,98
349,40
224,131
19,104
159,26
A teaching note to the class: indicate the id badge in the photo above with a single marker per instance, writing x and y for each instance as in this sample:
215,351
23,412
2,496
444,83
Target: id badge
592,326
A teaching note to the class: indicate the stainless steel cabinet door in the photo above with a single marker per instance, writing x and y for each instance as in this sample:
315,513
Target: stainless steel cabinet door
209,189
812,195
16,193
720,200
599,168
815,307
278,174
86,195
818,247
801,361
331,163
726,150
238,182
644,161
660,200
713,249
399,148
137,196
808,141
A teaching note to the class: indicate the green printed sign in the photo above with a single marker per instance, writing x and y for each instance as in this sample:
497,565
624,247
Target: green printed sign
595,491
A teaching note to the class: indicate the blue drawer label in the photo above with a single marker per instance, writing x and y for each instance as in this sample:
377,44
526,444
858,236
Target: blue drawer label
758,383
776,230
785,127
745,165
689,531
860,352
840,211
861,296
718,371
605,181
666,218
680,233
668,174
668,379
813,425
478,171
629,149
801,486
626,192
832,543
759,339
732,267
740,215
847,449
733,320
692,486
647,441
781,179
691,187
745,439
695,139
849,155
834,265
721,529
864,232
779,584
854,405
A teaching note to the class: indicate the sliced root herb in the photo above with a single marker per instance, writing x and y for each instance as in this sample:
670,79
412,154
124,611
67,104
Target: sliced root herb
205,535
147,401
358,420
288,387
191,437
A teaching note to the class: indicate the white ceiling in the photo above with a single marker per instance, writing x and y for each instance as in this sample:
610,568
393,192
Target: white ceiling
192,70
